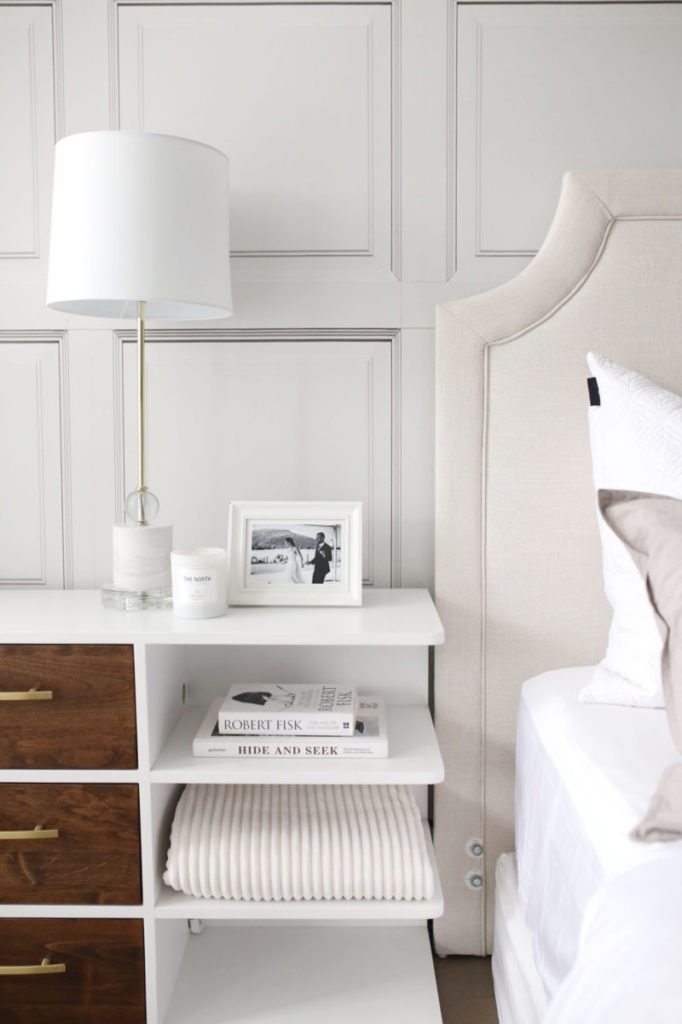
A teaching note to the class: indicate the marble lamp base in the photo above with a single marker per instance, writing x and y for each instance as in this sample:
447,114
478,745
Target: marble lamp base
141,576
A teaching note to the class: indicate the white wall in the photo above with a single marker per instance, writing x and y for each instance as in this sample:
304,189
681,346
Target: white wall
384,156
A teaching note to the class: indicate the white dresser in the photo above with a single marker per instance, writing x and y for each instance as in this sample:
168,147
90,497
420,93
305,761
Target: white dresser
220,961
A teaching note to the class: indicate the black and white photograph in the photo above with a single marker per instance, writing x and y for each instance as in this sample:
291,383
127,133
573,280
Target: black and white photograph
295,553
284,554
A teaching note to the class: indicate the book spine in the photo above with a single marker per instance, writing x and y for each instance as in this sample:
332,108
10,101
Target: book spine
313,724
234,747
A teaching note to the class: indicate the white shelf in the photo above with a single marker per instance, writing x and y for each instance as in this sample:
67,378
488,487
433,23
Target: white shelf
176,904
414,758
389,618
306,974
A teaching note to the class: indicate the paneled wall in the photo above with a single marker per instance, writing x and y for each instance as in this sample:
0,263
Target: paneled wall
383,157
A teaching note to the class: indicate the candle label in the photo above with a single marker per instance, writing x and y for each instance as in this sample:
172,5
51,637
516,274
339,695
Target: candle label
196,586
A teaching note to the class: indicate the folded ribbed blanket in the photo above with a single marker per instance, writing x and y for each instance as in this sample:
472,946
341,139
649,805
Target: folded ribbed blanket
299,843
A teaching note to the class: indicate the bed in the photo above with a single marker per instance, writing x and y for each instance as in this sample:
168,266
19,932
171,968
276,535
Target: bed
585,776
518,567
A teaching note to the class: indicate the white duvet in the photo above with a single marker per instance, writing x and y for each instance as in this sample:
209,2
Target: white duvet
629,964
603,912
585,777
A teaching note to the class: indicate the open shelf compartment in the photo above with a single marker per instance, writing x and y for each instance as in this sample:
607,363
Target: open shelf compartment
414,758
307,973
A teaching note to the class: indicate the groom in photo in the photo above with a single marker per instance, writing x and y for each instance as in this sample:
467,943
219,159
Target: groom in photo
321,560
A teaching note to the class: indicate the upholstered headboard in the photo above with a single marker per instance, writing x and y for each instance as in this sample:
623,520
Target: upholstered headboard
518,572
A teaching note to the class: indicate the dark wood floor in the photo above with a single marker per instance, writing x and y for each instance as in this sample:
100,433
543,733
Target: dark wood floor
465,987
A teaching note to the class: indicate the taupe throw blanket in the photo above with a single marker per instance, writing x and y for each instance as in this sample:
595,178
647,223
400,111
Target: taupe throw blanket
663,820
651,528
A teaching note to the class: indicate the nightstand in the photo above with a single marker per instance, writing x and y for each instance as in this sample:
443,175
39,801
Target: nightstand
128,693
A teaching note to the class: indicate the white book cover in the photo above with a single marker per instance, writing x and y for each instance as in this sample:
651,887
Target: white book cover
295,710
370,738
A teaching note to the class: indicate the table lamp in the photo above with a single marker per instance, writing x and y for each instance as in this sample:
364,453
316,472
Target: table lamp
140,230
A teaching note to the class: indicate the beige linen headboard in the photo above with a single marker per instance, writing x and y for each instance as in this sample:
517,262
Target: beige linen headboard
518,572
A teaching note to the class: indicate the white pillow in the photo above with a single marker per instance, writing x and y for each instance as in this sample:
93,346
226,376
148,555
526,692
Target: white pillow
636,441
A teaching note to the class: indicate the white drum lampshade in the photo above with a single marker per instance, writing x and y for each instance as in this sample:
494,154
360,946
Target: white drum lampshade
139,217
140,229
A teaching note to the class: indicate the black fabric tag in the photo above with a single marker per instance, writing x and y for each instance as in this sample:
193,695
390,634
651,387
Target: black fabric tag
593,389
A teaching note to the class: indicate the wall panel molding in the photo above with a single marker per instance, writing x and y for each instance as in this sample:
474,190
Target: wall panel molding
383,502
396,457
32,250
119,465
59,86
451,141
479,248
396,262
381,246
527,73
112,55
37,361
66,463
35,252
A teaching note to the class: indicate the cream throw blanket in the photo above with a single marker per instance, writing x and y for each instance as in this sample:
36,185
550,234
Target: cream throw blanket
299,843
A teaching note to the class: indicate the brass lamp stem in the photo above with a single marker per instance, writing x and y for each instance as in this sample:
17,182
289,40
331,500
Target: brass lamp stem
141,486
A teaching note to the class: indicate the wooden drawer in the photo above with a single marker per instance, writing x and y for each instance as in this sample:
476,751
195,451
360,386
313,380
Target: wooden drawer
95,858
89,721
103,980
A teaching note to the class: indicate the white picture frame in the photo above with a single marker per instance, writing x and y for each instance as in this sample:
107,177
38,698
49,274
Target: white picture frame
275,556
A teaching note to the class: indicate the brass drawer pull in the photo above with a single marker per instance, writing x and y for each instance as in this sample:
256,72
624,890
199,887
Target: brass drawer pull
45,967
32,694
37,833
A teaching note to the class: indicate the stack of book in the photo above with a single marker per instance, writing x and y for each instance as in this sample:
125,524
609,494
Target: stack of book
318,721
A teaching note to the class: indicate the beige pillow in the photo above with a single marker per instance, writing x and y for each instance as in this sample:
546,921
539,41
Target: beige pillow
663,820
651,528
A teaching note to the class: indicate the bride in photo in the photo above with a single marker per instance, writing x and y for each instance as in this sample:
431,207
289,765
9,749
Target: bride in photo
294,562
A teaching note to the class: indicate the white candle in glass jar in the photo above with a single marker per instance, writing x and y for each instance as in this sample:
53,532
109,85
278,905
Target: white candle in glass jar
199,582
